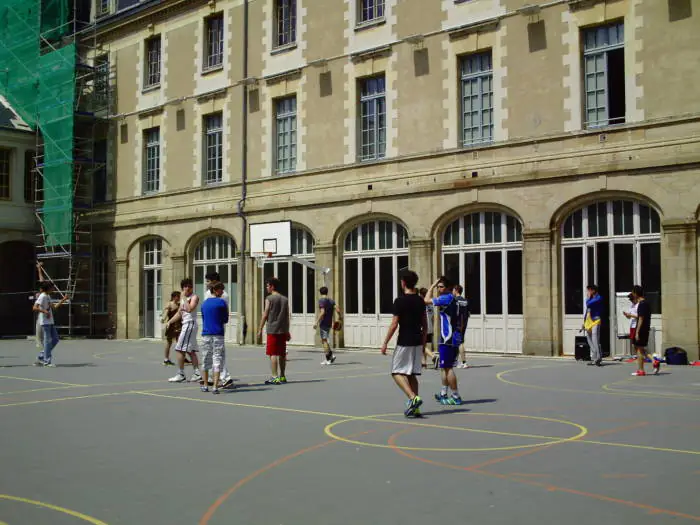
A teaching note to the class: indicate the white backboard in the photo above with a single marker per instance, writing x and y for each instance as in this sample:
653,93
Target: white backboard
271,237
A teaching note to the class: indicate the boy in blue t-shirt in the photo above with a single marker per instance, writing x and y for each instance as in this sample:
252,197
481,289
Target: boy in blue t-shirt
450,334
214,317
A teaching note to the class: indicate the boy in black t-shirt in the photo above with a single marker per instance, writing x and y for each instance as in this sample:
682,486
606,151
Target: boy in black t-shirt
409,318
641,337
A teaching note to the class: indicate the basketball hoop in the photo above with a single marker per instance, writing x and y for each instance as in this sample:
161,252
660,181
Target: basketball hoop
262,257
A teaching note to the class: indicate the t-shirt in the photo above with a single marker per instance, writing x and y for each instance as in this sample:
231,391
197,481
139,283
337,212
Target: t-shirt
209,295
410,309
44,302
278,315
643,310
328,306
214,316
462,313
633,311
450,326
169,312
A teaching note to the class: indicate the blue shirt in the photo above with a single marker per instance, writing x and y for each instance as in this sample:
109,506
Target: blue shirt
595,305
214,316
450,325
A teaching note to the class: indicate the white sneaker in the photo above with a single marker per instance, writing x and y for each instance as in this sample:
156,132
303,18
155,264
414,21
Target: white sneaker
325,362
178,378
462,365
196,377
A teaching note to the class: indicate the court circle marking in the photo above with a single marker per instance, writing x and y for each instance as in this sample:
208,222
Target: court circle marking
69,512
583,431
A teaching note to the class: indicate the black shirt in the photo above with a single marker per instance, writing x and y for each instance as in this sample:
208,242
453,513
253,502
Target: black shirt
643,310
410,309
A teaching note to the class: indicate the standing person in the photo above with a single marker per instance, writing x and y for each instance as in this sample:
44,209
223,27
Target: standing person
631,314
326,311
450,339
46,320
172,330
276,315
210,279
409,317
43,277
428,347
187,342
591,323
214,318
463,319
641,340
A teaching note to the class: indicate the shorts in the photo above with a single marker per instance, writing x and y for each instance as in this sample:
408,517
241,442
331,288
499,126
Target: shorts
407,360
187,341
325,332
642,343
448,356
213,353
633,332
276,344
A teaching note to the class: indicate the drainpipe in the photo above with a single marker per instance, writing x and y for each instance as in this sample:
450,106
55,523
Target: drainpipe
244,185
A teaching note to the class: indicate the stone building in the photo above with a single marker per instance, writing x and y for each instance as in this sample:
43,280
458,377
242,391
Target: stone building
524,150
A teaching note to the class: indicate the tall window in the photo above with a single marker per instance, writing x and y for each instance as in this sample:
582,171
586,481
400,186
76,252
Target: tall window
151,154
213,148
214,41
477,99
286,131
104,7
153,61
371,10
372,118
100,273
102,79
286,22
5,174
152,283
604,69
31,178
217,254
99,179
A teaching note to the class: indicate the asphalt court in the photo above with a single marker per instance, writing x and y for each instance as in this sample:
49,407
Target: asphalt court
103,438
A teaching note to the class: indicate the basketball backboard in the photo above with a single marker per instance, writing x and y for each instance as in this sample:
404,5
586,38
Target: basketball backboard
273,239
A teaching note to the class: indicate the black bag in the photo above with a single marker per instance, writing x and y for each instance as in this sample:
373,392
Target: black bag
582,352
676,356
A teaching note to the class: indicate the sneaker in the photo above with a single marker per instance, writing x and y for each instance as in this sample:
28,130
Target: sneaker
283,380
463,365
215,391
228,383
639,373
442,399
196,377
657,367
272,381
325,362
332,360
416,413
49,365
177,378
168,362
204,388
39,362
412,405
456,400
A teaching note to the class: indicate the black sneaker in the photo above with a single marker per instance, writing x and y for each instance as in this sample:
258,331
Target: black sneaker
228,383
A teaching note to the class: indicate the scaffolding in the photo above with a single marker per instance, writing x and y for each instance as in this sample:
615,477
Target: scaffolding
55,79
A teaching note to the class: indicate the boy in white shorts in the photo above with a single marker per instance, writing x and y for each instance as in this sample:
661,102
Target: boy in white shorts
214,318
187,342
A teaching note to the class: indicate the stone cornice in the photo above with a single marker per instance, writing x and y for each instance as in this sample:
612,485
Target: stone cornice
540,235
679,226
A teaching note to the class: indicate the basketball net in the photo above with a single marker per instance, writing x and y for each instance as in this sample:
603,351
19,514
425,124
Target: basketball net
261,258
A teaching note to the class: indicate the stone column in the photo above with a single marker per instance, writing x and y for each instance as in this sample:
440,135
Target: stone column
134,288
324,255
121,291
538,323
178,272
679,286
420,253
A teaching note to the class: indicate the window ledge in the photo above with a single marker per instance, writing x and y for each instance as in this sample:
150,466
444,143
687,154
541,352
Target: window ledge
212,69
278,50
369,24
148,89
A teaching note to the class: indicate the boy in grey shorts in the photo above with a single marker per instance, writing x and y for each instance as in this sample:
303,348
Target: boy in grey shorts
409,318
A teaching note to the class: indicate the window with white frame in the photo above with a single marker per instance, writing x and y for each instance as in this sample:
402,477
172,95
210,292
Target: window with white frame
375,253
604,75
371,10
285,22
477,98
151,160
214,46
217,253
372,118
286,134
152,287
213,149
104,7
153,62
5,175
100,276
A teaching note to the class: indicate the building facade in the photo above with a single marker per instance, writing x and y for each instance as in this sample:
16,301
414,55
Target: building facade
523,150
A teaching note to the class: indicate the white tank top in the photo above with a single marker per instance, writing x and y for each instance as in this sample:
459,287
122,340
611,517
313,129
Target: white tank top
187,317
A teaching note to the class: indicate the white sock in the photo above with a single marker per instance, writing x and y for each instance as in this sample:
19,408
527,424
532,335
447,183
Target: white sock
455,393
443,391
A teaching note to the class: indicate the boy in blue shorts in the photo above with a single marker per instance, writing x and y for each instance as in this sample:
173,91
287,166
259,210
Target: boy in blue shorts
450,336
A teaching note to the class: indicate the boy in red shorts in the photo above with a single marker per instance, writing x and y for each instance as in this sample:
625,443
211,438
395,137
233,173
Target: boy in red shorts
276,315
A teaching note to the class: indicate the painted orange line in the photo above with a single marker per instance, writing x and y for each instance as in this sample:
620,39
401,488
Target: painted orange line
221,499
624,476
639,424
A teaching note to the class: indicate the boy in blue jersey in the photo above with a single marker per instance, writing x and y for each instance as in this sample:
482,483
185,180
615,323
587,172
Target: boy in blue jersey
450,335
214,317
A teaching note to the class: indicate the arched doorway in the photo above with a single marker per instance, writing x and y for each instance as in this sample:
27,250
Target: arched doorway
375,252
483,251
217,253
297,282
17,288
152,283
614,244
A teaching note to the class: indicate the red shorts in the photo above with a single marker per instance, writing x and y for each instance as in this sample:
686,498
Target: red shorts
276,344
633,332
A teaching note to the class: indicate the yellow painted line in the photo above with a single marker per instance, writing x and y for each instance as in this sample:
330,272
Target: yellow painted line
39,380
55,400
63,510
643,447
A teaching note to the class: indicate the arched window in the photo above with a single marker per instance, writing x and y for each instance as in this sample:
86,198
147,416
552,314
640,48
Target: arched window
217,253
152,279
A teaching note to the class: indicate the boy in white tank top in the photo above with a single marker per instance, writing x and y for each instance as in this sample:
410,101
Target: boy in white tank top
187,342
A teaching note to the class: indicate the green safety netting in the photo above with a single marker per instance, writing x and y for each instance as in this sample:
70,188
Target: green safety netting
39,83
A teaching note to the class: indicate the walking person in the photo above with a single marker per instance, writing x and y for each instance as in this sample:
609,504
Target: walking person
46,320
463,319
214,319
406,363
187,342
631,314
210,279
172,330
39,329
591,323
450,339
276,315
327,308
428,347
641,338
